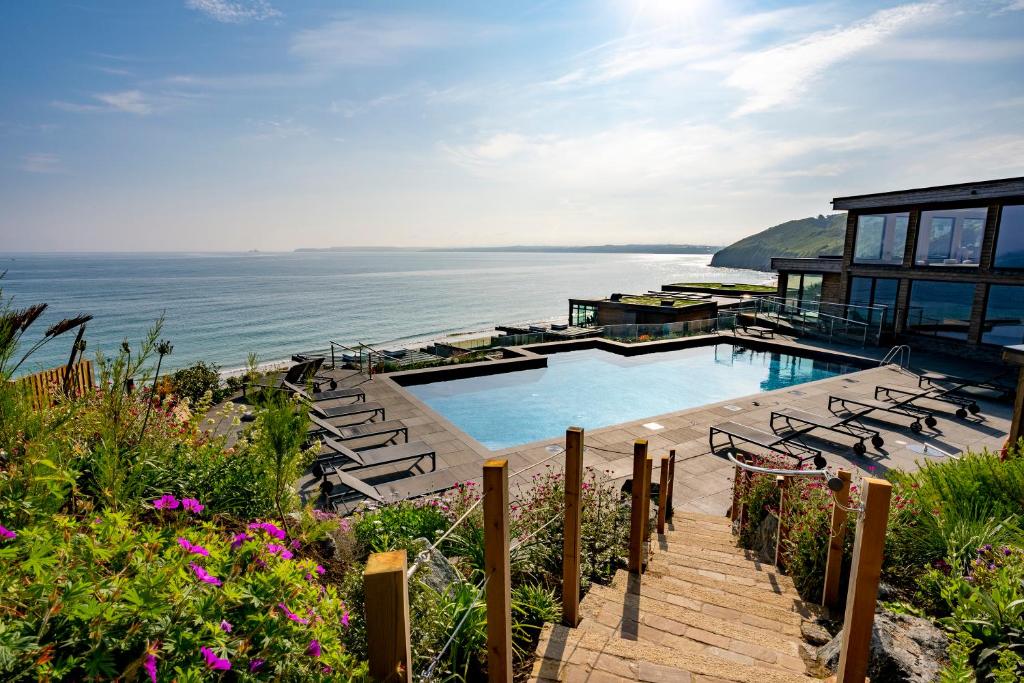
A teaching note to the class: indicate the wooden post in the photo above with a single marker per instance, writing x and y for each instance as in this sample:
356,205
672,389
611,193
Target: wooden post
663,494
864,575
1016,430
648,476
782,483
834,563
387,617
496,566
638,507
737,477
744,513
671,481
571,534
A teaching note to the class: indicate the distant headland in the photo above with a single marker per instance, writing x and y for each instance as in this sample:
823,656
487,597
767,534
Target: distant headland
593,249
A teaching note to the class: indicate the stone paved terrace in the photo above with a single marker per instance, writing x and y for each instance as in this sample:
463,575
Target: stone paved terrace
703,479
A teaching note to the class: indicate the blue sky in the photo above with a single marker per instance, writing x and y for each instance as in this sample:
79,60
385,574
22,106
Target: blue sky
252,124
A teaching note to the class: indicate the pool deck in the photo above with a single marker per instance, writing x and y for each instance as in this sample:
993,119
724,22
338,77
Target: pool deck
704,479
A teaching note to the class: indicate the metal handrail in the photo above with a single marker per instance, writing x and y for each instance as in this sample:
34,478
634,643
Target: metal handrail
897,352
834,483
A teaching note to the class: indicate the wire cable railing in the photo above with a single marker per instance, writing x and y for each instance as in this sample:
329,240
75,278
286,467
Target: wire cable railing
429,673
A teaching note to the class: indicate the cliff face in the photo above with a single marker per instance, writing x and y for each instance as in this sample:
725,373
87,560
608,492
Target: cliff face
803,238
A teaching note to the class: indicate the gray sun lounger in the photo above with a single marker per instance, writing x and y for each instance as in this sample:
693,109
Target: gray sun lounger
340,488
783,445
327,395
340,456
792,421
354,409
867,405
939,380
393,429
964,404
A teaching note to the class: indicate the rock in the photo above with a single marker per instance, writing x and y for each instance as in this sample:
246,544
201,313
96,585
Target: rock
765,538
435,571
904,649
814,633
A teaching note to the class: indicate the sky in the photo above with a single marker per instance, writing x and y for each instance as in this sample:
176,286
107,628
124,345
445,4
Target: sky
206,125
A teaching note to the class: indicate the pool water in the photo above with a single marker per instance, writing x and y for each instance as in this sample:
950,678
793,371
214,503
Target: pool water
594,388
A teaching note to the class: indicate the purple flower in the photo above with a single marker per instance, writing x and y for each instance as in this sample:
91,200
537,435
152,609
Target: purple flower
166,502
239,539
214,662
295,545
7,533
314,648
192,505
276,549
320,570
991,566
225,625
1006,551
988,547
255,665
150,666
292,615
204,575
193,548
270,529
344,618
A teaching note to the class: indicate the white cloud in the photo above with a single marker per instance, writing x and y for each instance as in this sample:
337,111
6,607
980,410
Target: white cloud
128,101
237,12
951,50
776,76
372,40
41,162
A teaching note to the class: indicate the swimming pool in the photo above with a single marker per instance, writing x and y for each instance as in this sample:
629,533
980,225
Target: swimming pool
595,388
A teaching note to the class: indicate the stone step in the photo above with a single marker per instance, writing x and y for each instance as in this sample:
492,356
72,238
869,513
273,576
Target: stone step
593,653
710,601
758,572
681,539
764,592
651,609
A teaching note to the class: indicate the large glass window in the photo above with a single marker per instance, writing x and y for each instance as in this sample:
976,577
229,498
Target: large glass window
881,238
1010,240
1004,316
950,237
803,290
940,308
871,291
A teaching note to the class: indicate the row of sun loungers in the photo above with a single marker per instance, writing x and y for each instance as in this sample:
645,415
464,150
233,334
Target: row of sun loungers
846,414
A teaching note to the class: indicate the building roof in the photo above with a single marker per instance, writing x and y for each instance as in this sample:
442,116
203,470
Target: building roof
983,189
820,264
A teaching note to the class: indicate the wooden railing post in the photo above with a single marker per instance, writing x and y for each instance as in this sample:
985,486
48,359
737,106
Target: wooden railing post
834,563
638,507
648,476
571,533
671,481
498,574
386,588
663,494
864,574
737,479
782,483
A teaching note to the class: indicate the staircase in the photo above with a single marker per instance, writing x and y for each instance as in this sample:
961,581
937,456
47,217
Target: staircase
705,611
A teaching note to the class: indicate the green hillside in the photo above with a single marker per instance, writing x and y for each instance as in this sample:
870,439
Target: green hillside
806,237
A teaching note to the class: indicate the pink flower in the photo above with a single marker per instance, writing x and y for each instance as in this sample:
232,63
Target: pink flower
276,549
239,539
255,665
292,615
204,575
214,662
225,625
344,618
314,648
150,666
166,502
270,529
192,505
7,533
193,548
320,570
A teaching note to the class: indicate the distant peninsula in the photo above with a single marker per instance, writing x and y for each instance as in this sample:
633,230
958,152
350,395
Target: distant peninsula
801,238
594,249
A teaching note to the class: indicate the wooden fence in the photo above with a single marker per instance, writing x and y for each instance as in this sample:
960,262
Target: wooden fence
44,387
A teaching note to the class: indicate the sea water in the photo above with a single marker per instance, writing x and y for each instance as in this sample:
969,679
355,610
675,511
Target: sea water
219,307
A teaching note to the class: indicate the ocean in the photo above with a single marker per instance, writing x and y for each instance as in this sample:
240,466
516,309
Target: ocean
220,306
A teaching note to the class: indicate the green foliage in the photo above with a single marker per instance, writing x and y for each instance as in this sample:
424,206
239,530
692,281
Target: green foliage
194,381
533,605
802,238
395,527
93,599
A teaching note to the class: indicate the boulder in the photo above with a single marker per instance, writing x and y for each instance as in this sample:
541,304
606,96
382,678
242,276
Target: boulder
904,649
435,571
814,633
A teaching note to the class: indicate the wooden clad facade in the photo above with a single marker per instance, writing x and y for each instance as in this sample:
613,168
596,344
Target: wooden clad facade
45,386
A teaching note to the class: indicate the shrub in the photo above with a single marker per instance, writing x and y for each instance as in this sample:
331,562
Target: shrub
395,527
195,380
115,596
